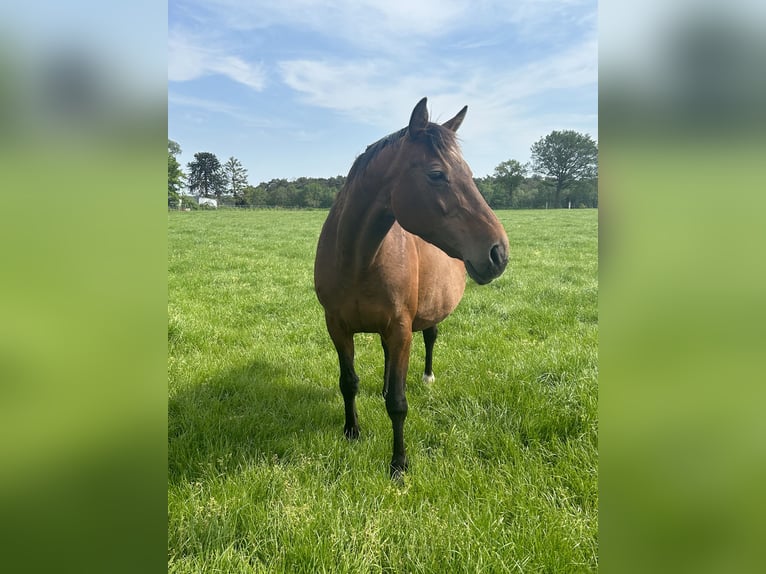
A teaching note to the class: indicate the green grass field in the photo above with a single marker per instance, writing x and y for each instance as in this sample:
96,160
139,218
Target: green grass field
502,447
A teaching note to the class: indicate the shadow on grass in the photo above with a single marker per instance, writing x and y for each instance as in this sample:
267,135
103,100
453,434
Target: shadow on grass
253,413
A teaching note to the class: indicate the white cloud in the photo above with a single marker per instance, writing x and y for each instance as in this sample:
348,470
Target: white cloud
402,26
377,93
189,59
386,26
362,88
574,67
217,107
374,92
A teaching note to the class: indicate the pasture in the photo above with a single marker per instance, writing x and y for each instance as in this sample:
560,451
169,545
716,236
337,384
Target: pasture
502,447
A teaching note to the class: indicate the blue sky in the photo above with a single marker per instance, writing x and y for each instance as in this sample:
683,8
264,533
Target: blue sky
300,87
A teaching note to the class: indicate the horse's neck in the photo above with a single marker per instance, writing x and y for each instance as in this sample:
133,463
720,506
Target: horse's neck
364,221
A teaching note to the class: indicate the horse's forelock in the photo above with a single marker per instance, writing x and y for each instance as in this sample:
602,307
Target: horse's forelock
442,140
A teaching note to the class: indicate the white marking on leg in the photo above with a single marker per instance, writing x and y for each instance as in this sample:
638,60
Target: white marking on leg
428,379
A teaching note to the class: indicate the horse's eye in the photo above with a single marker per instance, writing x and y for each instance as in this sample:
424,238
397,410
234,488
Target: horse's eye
437,176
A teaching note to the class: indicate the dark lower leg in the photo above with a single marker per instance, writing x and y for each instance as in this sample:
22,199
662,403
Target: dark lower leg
396,405
396,401
349,381
429,338
349,387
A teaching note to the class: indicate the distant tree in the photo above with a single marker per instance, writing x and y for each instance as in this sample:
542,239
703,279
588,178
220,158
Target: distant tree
311,192
567,157
529,194
539,191
175,174
281,193
486,187
206,178
584,193
331,188
508,176
236,177
189,203
173,147
255,196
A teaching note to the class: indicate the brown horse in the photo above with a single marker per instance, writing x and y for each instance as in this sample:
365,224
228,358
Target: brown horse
393,253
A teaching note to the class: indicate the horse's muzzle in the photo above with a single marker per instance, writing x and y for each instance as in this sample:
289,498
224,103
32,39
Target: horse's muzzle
491,268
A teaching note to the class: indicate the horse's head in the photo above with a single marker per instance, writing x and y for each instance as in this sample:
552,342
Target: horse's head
434,196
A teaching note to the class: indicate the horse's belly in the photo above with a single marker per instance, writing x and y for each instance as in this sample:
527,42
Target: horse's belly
436,301
365,316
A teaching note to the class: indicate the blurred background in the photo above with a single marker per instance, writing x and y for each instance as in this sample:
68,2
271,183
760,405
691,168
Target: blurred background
682,131
682,143
82,295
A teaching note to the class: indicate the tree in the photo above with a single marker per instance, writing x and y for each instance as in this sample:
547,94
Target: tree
173,148
281,193
311,194
486,187
255,196
175,174
566,157
585,193
236,177
206,177
508,176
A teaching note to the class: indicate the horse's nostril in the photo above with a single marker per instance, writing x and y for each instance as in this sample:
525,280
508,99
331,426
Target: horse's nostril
497,255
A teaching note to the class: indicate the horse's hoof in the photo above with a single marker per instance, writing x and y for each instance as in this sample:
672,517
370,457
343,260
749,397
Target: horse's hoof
351,433
428,379
397,469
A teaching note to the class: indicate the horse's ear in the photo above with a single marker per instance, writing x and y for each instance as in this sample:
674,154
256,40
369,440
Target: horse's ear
419,118
455,122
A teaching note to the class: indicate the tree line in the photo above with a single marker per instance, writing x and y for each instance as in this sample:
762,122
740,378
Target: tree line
562,172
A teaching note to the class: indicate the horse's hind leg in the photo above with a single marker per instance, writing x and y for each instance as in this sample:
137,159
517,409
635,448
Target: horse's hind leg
429,337
349,381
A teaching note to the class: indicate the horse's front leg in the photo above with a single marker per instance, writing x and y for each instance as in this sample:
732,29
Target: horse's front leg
398,344
349,381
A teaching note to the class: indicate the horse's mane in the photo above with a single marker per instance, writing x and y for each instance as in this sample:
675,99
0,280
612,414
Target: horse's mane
442,140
